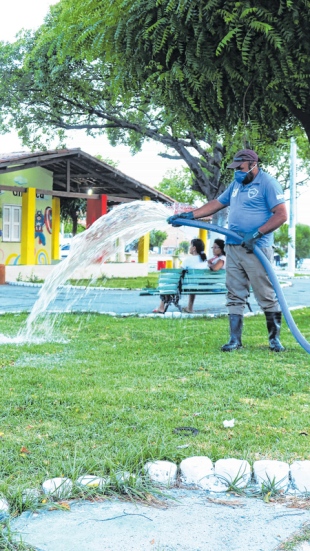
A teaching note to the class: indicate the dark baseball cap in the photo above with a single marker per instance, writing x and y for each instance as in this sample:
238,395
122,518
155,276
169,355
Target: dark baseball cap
243,155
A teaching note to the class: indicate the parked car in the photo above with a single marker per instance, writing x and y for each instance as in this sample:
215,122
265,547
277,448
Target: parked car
65,238
64,250
305,264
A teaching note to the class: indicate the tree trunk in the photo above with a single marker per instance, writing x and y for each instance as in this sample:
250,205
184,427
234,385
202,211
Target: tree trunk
303,117
74,224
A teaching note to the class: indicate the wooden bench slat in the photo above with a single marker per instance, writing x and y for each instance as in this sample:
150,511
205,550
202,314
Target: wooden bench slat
201,287
204,291
203,282
202,279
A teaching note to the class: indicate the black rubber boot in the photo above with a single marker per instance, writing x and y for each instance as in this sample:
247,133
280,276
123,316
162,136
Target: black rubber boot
274,326
236,324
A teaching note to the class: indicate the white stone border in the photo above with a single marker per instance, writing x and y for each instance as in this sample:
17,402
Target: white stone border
32,284
198,471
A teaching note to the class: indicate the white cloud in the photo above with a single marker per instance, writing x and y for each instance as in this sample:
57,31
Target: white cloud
22,14
145,167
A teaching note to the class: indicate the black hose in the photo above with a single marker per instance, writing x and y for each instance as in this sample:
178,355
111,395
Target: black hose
265,262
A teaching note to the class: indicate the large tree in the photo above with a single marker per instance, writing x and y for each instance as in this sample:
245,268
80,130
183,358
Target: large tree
71,74
214,61
42,96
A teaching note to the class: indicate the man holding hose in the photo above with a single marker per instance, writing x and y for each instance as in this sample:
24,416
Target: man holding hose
257,209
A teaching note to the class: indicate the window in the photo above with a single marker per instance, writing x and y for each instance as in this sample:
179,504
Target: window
12,216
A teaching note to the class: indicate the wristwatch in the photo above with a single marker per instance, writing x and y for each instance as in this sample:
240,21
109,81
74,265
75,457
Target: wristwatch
257,234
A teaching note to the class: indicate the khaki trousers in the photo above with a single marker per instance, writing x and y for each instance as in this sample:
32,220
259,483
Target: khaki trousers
244,270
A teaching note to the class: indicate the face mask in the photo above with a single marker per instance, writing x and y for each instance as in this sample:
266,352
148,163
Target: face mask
240,176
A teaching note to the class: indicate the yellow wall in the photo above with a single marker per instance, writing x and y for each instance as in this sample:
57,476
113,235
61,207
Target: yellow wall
28,235
144,244
40,178
56,228
203,235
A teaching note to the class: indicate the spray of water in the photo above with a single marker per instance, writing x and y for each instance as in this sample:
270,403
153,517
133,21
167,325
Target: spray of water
128,221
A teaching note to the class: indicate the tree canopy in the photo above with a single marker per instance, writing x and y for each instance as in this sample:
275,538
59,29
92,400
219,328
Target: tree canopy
214,62
157,238
200,77
302,241
42,96
178,185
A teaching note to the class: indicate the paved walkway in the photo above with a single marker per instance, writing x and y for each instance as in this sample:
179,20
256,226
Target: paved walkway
17,298
194,521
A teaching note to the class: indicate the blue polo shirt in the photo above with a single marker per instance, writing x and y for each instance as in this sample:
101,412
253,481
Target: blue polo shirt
251,206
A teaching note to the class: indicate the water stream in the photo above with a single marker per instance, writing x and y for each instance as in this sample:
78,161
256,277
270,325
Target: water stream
128,222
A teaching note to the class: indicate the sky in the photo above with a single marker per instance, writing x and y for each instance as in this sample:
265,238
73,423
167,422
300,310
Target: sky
146,167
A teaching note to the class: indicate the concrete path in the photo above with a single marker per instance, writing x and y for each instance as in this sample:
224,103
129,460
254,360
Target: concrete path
21,298
194,521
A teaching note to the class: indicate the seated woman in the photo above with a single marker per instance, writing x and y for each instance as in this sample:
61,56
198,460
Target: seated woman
218,261
198,260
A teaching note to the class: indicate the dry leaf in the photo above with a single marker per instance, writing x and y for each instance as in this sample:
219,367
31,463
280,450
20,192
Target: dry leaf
64,505
299,505
24,450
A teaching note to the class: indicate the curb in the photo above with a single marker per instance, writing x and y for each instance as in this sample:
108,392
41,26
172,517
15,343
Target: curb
265,478
82,287
30,284
167,315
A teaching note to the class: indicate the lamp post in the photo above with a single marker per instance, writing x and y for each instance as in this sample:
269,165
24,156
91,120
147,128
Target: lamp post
291,231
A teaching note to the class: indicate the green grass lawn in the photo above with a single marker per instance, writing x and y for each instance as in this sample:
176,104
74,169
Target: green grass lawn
150,280
110,398
140,282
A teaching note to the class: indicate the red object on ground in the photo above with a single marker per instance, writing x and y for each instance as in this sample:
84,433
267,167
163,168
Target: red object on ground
161,264
2,274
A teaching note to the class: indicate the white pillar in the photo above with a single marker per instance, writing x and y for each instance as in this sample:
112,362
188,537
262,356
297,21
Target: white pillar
120,255
291,231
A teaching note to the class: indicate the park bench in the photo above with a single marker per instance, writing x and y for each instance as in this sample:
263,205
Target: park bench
174,283
169,287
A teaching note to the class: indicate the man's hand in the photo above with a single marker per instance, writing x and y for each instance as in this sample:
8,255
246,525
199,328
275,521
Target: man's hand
188,215
250,239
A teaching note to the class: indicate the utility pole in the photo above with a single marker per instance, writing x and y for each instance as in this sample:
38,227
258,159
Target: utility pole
292,232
